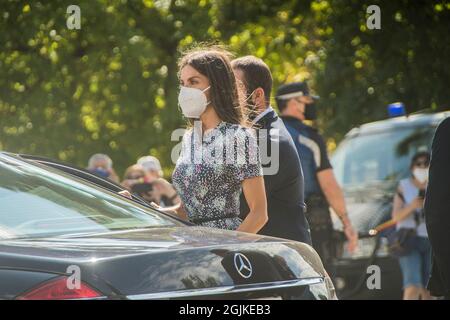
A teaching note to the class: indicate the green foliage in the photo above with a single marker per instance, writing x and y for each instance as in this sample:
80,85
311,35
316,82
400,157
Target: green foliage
364,70
112,86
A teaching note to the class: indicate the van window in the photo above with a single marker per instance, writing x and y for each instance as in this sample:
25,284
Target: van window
379,157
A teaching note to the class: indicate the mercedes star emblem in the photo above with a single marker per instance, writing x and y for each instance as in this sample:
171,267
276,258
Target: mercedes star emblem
243,265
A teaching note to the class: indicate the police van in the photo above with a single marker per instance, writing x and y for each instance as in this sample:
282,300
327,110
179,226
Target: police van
369,163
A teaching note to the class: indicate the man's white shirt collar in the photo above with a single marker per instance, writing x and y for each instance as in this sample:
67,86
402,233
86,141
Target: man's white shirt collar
262,114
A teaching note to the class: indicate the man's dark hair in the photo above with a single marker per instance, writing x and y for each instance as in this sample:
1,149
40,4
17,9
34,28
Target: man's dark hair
256,75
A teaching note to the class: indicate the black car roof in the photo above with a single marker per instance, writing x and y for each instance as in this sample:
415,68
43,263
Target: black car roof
414,120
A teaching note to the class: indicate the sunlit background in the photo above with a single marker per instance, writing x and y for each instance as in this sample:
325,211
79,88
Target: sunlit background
112,86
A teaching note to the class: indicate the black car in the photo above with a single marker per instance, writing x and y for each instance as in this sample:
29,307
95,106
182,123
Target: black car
368,164
63,237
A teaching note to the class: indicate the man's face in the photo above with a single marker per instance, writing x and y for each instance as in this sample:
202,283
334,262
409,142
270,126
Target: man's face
297,106
255,100
103,164
239,74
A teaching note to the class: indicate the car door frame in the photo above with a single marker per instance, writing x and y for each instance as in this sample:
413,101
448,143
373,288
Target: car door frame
94,179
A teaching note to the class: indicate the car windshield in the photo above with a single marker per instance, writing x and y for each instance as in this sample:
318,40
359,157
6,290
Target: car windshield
38,202
381,157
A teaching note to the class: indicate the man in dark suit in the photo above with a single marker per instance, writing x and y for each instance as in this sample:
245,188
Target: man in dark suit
283,177
437,211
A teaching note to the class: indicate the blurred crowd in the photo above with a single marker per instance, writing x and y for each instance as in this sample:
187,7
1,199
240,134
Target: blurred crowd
145,178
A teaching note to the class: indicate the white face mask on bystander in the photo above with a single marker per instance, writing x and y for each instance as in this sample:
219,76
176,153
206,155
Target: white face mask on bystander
421,174
193,102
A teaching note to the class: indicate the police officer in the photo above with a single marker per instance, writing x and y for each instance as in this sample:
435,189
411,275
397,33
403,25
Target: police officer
321,188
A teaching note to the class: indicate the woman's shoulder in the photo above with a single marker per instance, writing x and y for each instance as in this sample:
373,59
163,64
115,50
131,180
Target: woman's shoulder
188,133
245,139
405,183
240,130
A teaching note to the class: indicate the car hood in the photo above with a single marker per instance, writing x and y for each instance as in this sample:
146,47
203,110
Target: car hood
147,261
138,241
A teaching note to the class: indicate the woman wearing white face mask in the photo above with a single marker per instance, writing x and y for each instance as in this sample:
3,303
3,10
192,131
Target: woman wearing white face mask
407,211
209,188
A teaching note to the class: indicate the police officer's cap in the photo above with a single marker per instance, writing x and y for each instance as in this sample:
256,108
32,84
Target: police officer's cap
293,90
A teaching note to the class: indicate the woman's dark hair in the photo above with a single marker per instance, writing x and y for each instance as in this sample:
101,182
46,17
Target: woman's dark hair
214,63
420,155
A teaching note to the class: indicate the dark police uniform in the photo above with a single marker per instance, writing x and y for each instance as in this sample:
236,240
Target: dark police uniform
312,150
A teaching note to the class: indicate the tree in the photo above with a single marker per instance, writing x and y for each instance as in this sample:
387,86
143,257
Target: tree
112,86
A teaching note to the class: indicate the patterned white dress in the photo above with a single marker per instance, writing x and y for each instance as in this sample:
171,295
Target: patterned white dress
209,173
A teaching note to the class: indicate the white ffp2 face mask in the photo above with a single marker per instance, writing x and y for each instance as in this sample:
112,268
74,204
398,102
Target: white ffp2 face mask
421,174
192,101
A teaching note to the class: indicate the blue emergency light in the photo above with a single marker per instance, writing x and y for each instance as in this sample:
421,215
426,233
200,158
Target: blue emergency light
396,109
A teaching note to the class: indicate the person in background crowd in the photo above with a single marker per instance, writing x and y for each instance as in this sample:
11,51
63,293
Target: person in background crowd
161,191
437,211
321,188
152,168
165,194
407,212
284,189
102,165
146,185
210,191
133,175
135,181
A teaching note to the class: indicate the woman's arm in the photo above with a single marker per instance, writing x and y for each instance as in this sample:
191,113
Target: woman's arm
178,209
255,194
400,211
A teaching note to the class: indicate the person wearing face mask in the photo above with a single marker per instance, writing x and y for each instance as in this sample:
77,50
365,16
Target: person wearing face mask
284,186
102,166
321,188
407,212
219,156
